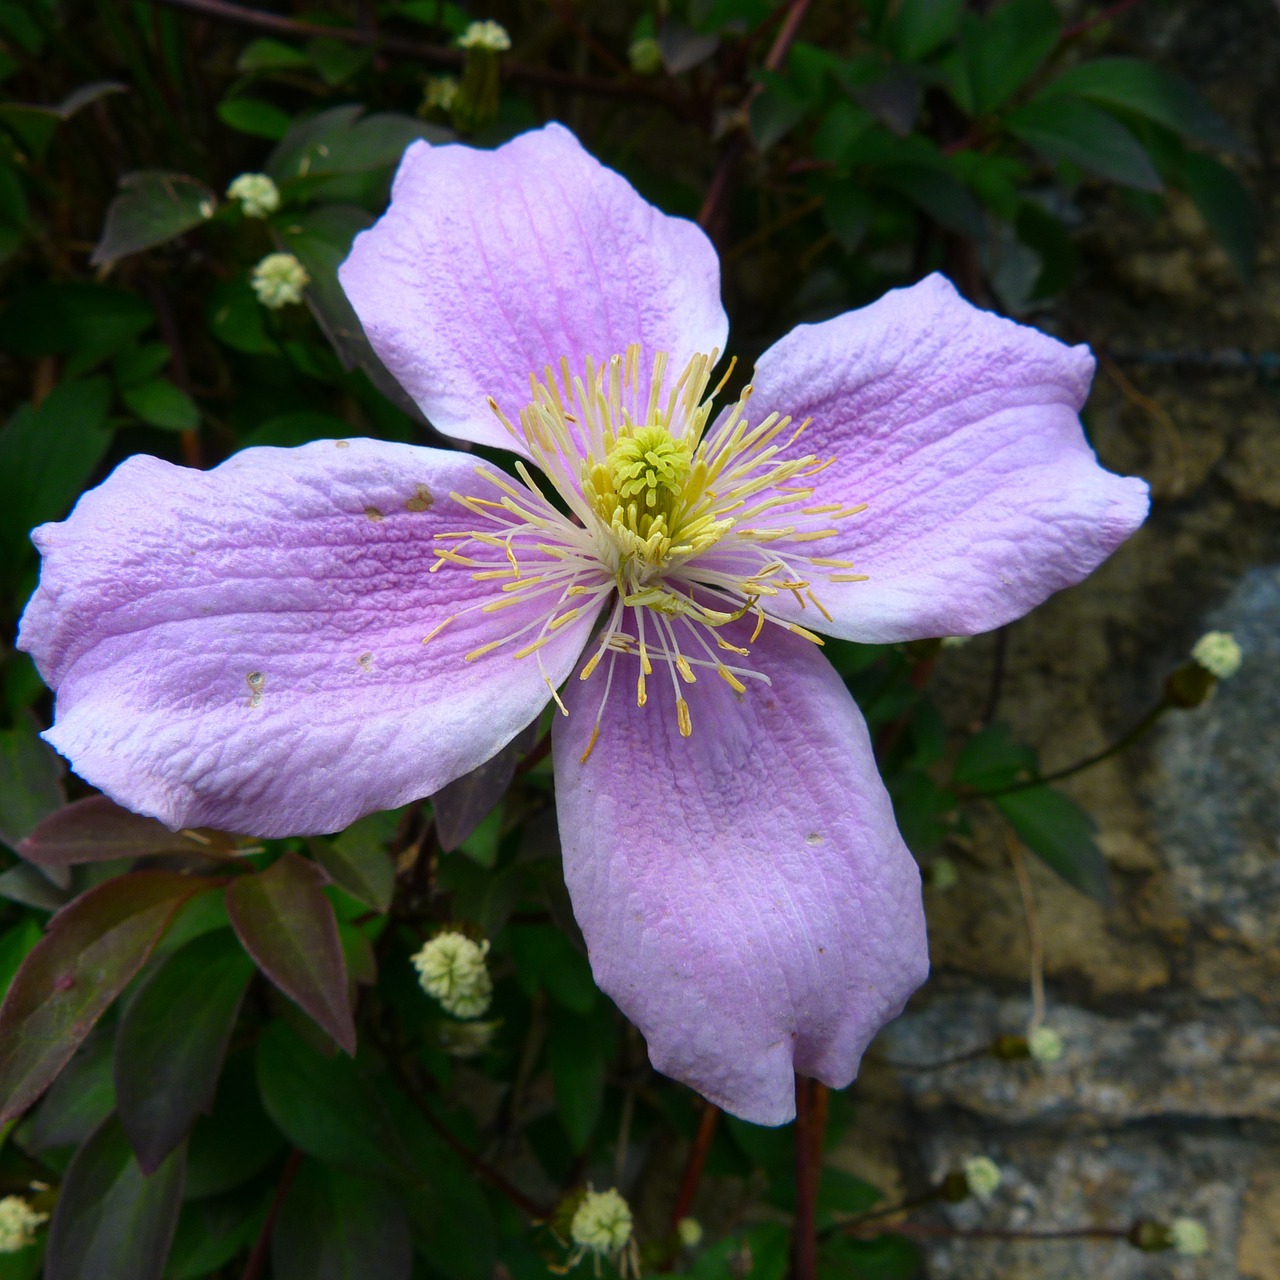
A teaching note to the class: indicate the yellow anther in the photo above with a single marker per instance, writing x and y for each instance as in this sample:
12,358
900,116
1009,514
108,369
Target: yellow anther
682,718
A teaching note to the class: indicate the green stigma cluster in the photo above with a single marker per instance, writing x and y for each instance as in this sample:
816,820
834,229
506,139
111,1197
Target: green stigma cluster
642,481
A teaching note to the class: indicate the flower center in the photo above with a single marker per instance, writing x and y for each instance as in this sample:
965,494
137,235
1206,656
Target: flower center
687,526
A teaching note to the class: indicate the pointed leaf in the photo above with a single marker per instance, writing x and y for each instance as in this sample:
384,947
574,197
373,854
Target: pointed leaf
1070,129
358,860
1149,91
153,207
328,1109
287,925
92,951
98,830
1060,833
112,1222
335,1226
167,1066
30,782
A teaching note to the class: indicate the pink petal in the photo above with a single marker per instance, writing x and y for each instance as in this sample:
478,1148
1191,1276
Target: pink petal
959,429
489,265
167,589
744,893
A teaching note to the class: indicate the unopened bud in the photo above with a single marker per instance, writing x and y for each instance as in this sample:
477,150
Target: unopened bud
645,56
1010,1048
690,1232
602,1222
1191,685
982,1175
257,194
1045,1044
279,280
942,874
451,968
1218,653
18,1223
1189,1237
439,93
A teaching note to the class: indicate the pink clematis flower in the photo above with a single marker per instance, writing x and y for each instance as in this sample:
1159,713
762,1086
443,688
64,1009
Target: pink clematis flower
299,637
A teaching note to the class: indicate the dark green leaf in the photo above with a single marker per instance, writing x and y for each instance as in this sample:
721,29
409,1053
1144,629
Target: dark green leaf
287,925
1130,84
288,430
93,949
1070,129
944,198
775,111
886,1257
32,888
1060,833
210,1234
90,320
336,61
238,1140
270,55
166,1067
847,210
78,1101
1041,231
999,53
358,860
1225,204
15,942
153,207
140,364
921,807
917,27
47,455
160,403
576,1053
98,830
327,1108
111,1221
30,782
253,116
992,759
335,1226
460,807
340,141
545,958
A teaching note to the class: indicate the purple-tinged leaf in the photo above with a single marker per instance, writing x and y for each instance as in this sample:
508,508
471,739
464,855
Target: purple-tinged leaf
460,807
80,1099
287,925
338,1227
98,829
112,1222
32,888
358,861
93,949
167,1067
153,207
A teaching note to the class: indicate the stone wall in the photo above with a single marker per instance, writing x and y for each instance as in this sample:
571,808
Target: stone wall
1167,1099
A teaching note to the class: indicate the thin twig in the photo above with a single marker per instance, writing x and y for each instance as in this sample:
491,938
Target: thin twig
937,1230
258,1258
1097,19
1088,762
433,54
1035,939
721,179
693,1169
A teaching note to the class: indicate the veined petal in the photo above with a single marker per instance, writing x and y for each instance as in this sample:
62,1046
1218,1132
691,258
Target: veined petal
744,893
490,265
959,430
242,648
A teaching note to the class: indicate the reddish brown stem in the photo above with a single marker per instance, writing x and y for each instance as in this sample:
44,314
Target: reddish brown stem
258,1258
722,178
697,1160
1105,15
811,1111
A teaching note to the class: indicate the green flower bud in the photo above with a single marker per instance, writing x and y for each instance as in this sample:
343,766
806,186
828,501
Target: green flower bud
451,968
18,1223
258,195
645,56
1218,653
279,280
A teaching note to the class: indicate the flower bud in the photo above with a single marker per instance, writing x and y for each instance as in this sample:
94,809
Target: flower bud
602,1222
689,1231
439,94
1045,1044
488,35
257,194
982,1175
645,56
279,280
1218,653
451,968
942,874
18,1223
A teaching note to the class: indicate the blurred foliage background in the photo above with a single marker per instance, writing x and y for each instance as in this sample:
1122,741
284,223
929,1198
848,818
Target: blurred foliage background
219,1061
